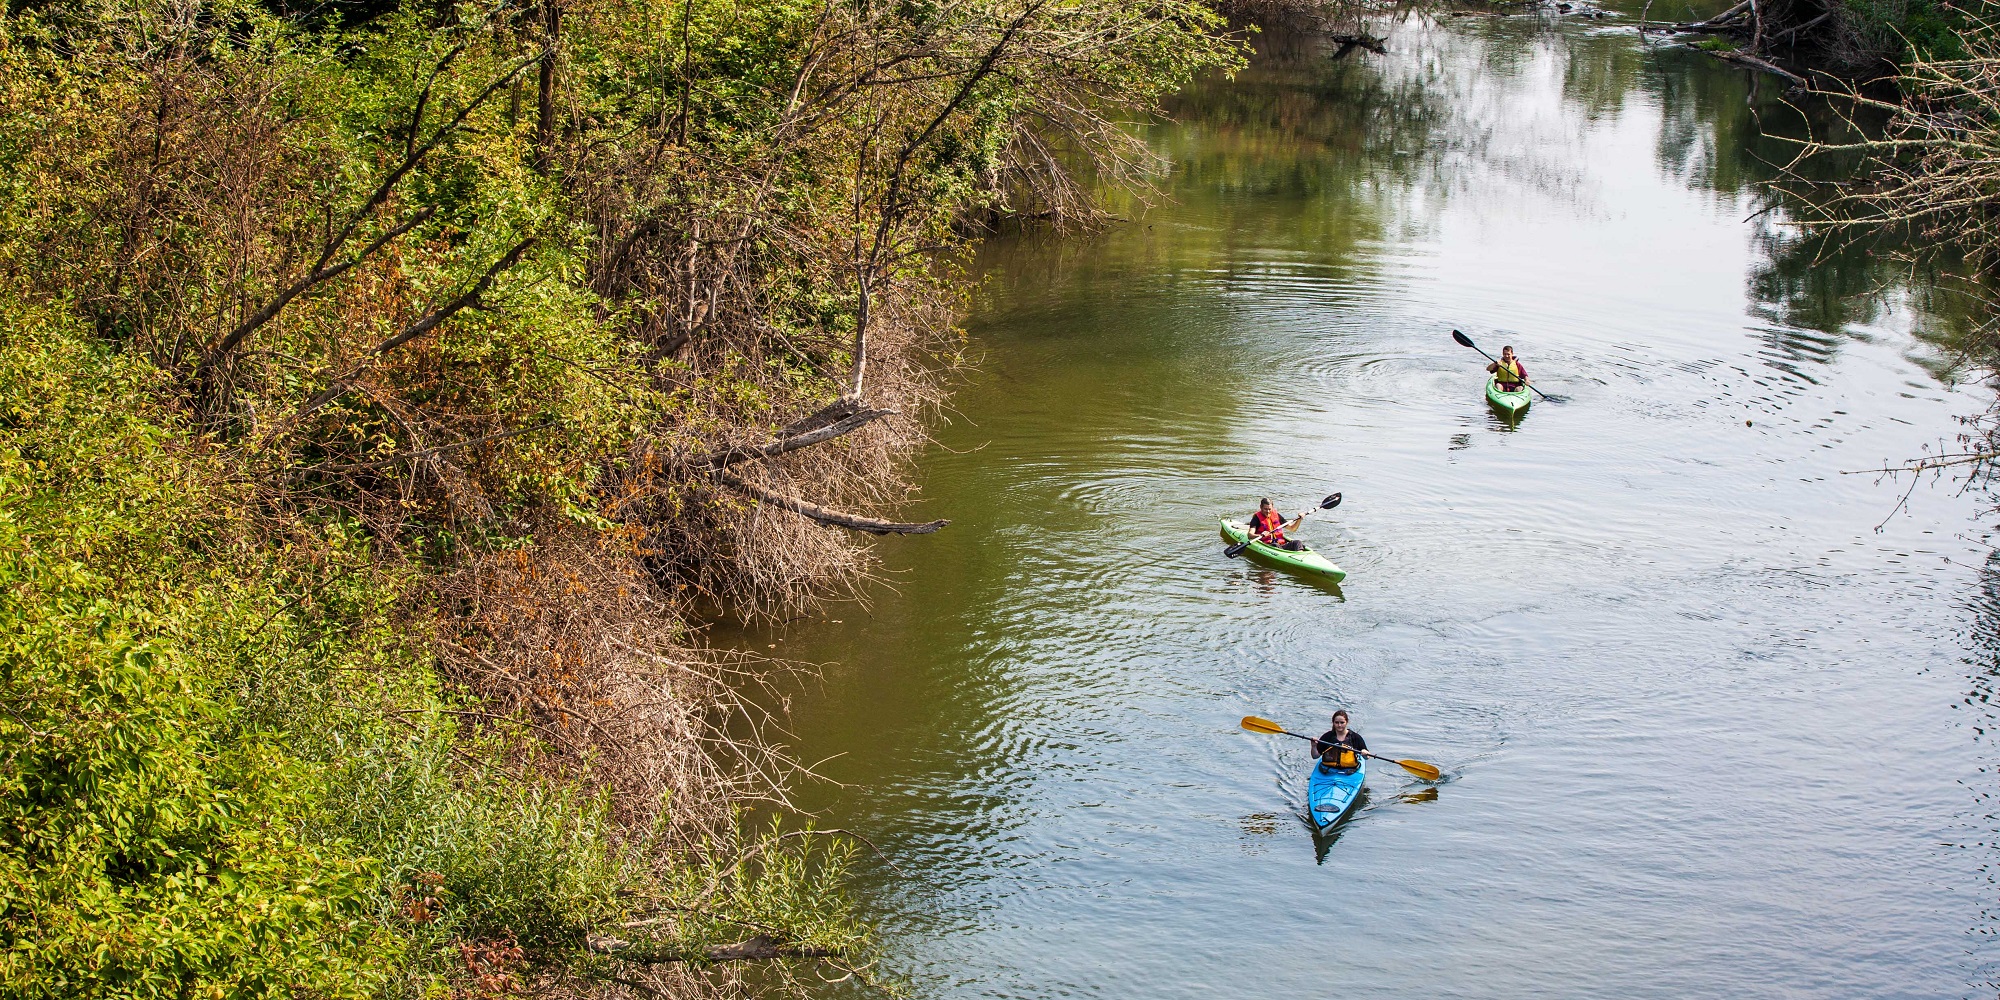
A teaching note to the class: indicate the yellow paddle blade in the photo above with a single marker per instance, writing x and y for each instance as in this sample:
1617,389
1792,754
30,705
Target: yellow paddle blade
1428,772
1266,726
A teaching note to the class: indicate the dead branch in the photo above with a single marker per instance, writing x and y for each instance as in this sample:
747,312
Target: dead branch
325,270
1799,29
779,446
1747,60
1930,464
890,210
832,517
1717,23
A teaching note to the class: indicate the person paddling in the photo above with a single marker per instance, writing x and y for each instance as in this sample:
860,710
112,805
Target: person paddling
1511,372
1336,747
1268,526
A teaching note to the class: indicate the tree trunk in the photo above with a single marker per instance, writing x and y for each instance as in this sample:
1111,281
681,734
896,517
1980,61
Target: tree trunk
545,95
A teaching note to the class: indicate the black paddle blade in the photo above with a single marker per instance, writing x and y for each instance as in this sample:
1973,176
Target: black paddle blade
1330,502
1236,550
1463,340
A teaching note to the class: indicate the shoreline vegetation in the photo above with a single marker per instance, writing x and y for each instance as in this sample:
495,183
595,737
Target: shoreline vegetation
387,393
1845,39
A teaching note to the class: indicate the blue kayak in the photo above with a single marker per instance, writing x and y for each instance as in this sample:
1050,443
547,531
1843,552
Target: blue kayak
1330,793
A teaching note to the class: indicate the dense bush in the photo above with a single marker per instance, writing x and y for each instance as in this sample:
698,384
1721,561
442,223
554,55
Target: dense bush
382,390
152,838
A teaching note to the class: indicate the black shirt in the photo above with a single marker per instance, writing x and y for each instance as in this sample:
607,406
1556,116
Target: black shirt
1327,742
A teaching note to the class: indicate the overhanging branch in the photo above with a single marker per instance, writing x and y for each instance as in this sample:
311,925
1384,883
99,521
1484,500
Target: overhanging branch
826,515
854,420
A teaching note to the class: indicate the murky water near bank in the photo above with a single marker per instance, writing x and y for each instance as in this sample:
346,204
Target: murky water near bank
1709,731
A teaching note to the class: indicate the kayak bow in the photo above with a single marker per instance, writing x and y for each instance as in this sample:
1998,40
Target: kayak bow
1510,403
1304,561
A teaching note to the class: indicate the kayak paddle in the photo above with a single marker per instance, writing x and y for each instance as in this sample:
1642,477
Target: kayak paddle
1467,341
1237,549
1428,772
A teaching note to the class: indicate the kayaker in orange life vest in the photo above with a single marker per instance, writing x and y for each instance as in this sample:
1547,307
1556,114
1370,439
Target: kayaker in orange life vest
1336,747
1513,374
1269,527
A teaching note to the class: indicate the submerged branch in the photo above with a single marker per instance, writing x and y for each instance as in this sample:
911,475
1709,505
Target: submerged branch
1749,61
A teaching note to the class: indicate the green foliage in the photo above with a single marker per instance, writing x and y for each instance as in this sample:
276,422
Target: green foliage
211,787
1897,31
297,315
150,846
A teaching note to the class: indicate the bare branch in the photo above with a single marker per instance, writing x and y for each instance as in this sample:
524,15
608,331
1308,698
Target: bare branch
832,517
322,273
782,445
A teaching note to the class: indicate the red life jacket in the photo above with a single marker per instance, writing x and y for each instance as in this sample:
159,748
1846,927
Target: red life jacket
1268,526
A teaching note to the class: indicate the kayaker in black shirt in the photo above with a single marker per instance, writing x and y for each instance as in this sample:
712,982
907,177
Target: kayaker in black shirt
1337,738
1268,526
1513,374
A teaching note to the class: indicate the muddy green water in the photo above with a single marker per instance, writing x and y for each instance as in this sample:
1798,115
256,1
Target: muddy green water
1710,732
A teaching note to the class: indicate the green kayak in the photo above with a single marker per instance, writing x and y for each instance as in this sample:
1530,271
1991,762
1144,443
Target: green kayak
1304,560
1510,403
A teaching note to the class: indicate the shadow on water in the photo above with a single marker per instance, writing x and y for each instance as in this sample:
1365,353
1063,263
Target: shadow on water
1323,840
1268,581
1504,421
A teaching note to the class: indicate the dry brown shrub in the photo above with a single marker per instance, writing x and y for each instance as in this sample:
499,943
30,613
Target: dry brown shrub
576,640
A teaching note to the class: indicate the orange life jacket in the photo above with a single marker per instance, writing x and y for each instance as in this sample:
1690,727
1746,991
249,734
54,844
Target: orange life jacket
1267,526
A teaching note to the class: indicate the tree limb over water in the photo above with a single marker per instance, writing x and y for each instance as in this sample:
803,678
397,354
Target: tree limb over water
829,516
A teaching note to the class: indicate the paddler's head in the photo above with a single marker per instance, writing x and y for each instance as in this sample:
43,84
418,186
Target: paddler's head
1265,505
1507,353
1340,724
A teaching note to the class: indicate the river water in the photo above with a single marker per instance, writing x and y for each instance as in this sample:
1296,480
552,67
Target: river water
1713,711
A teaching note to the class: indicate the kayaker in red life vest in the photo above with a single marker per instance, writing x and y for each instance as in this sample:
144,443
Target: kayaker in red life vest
1513,374
1269,527
1335,747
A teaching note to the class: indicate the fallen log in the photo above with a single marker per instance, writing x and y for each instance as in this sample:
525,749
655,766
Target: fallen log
1719,22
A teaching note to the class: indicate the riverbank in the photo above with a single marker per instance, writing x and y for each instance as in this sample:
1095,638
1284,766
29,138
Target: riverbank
388,391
